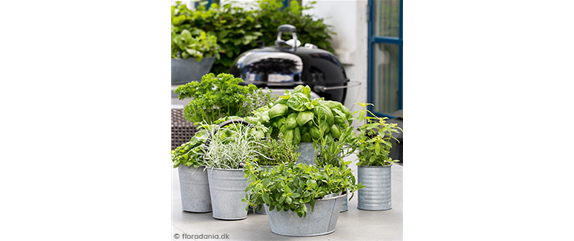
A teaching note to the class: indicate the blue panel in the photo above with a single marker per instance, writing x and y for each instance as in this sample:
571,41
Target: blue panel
370,56
386,40
384,115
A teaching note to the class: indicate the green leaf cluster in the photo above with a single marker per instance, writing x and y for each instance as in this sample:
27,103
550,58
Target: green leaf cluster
188,41
191,153
300,119
277,151
374,141
296,187
238,26
216,97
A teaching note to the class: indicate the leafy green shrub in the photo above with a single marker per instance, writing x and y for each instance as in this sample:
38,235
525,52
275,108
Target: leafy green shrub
214,97
291,187
185,46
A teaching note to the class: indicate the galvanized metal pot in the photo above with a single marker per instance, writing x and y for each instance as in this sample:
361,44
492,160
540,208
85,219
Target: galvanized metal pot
308,153
376,196
194,189
184,71
319,222
227,188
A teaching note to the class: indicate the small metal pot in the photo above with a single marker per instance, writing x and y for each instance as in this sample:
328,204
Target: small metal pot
227,188
322,220
376,196
194,189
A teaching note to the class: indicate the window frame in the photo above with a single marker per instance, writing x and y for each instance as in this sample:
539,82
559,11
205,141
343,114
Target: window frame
372,40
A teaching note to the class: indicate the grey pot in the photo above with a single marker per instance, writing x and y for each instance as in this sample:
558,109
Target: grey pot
194,189
321,221
376,196
184,71
227,188
308,154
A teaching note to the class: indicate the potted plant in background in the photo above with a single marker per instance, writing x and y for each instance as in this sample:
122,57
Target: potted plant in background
225,153
273,152
193,51
374,166
193,182
300,200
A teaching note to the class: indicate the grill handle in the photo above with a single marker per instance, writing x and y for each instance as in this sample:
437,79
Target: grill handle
288,28
322,88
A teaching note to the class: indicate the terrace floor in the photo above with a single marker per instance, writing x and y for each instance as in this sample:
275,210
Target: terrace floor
353,224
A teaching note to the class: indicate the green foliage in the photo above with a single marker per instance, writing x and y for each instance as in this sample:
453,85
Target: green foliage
188,41
231,146
332,150
215,97
274,152
299,118
374,141
238,27
185,46
191,153
292,187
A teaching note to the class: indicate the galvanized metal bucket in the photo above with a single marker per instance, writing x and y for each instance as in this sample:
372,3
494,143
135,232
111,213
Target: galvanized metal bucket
376,196
308,153
319,222
227,188
194,189
184,71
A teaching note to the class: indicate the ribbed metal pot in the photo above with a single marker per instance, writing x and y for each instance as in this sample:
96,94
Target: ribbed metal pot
307,153
376,196
344,207
227,188
194,189
321,221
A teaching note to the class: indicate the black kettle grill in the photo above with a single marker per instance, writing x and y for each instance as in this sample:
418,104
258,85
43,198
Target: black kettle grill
287,65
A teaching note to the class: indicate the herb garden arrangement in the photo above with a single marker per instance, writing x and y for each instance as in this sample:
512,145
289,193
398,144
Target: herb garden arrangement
253,149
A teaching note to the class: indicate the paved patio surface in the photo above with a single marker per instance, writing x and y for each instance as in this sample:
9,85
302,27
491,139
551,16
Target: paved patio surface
354,224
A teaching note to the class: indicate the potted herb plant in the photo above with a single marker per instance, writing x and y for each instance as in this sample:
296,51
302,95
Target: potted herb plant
299,118
225,153
300,200
193,51
193,182
332,151
374,166
273,152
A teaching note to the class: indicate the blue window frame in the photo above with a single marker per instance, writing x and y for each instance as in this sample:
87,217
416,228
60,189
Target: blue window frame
385,57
